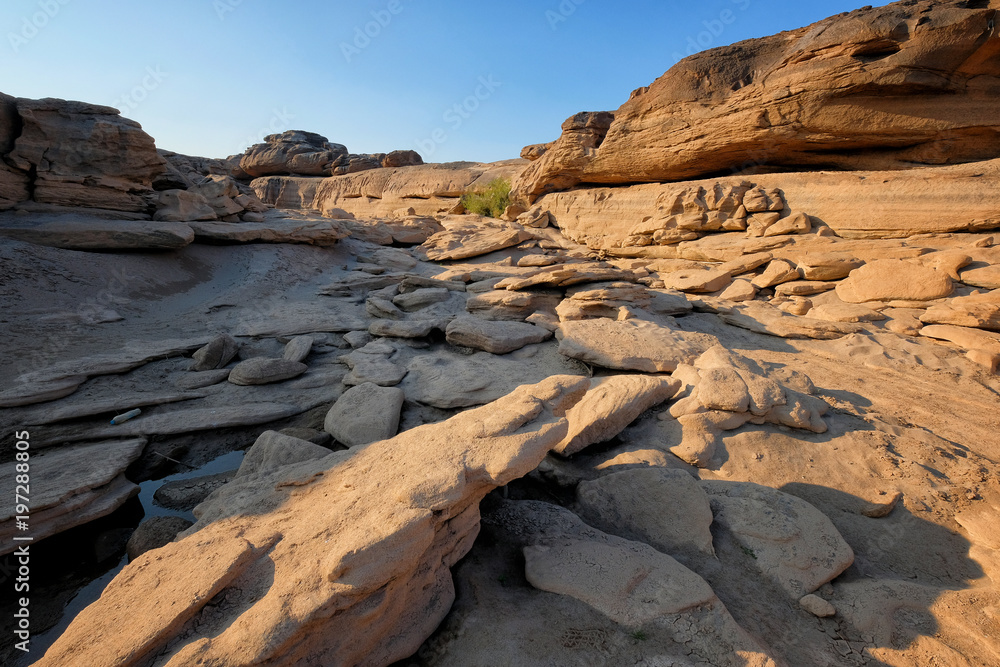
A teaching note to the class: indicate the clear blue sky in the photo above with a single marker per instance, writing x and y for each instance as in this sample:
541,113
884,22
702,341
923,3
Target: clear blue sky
209,77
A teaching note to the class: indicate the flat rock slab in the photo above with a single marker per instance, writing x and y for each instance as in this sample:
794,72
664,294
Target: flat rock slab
845,312
311,232
965,337
421,298
698,280
496,337
766,319
630,345
292,319
70,486
787,539
93,408
894,280
200,419
666,509
406,328
987,277
365,413
980,311
100,234
566,275
261,370
60,473
473,241
447,380
75,511
369,366
64,378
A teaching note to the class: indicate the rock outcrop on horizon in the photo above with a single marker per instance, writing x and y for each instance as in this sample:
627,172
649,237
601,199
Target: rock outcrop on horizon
905,85
300,153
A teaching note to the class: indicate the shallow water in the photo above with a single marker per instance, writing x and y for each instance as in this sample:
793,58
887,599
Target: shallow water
99,578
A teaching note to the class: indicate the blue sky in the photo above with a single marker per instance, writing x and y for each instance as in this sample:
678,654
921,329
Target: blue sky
455,80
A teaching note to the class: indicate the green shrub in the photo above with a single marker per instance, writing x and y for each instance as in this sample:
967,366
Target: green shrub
491,201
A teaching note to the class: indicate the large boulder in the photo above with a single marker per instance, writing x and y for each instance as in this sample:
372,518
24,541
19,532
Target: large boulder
864,90
402,159
293,153
83,155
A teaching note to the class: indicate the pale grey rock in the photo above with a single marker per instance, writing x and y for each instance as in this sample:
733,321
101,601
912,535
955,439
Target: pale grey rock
70,486
219,352
101,234
420,298
629,345
788,540
496,337
154,533
365,413
298,348
261,370
666,509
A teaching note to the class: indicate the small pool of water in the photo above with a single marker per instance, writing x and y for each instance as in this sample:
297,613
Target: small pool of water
92,590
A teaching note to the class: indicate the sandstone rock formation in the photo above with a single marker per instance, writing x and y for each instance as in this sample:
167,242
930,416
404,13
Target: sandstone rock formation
79,154
74,233
743,420
386,572
428,189
299,153
71,486
877,88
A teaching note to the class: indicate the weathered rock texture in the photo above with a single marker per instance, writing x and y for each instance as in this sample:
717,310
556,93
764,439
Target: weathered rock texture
904,85
878,204
69,487
75,154
298,153
428,189
365,582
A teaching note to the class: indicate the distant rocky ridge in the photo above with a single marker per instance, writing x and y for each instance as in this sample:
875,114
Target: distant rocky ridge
905,85
298,153
59,157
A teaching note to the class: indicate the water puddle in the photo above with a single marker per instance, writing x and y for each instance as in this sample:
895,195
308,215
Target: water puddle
85,559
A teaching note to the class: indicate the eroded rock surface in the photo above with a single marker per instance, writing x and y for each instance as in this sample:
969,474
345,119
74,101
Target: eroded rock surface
407,542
